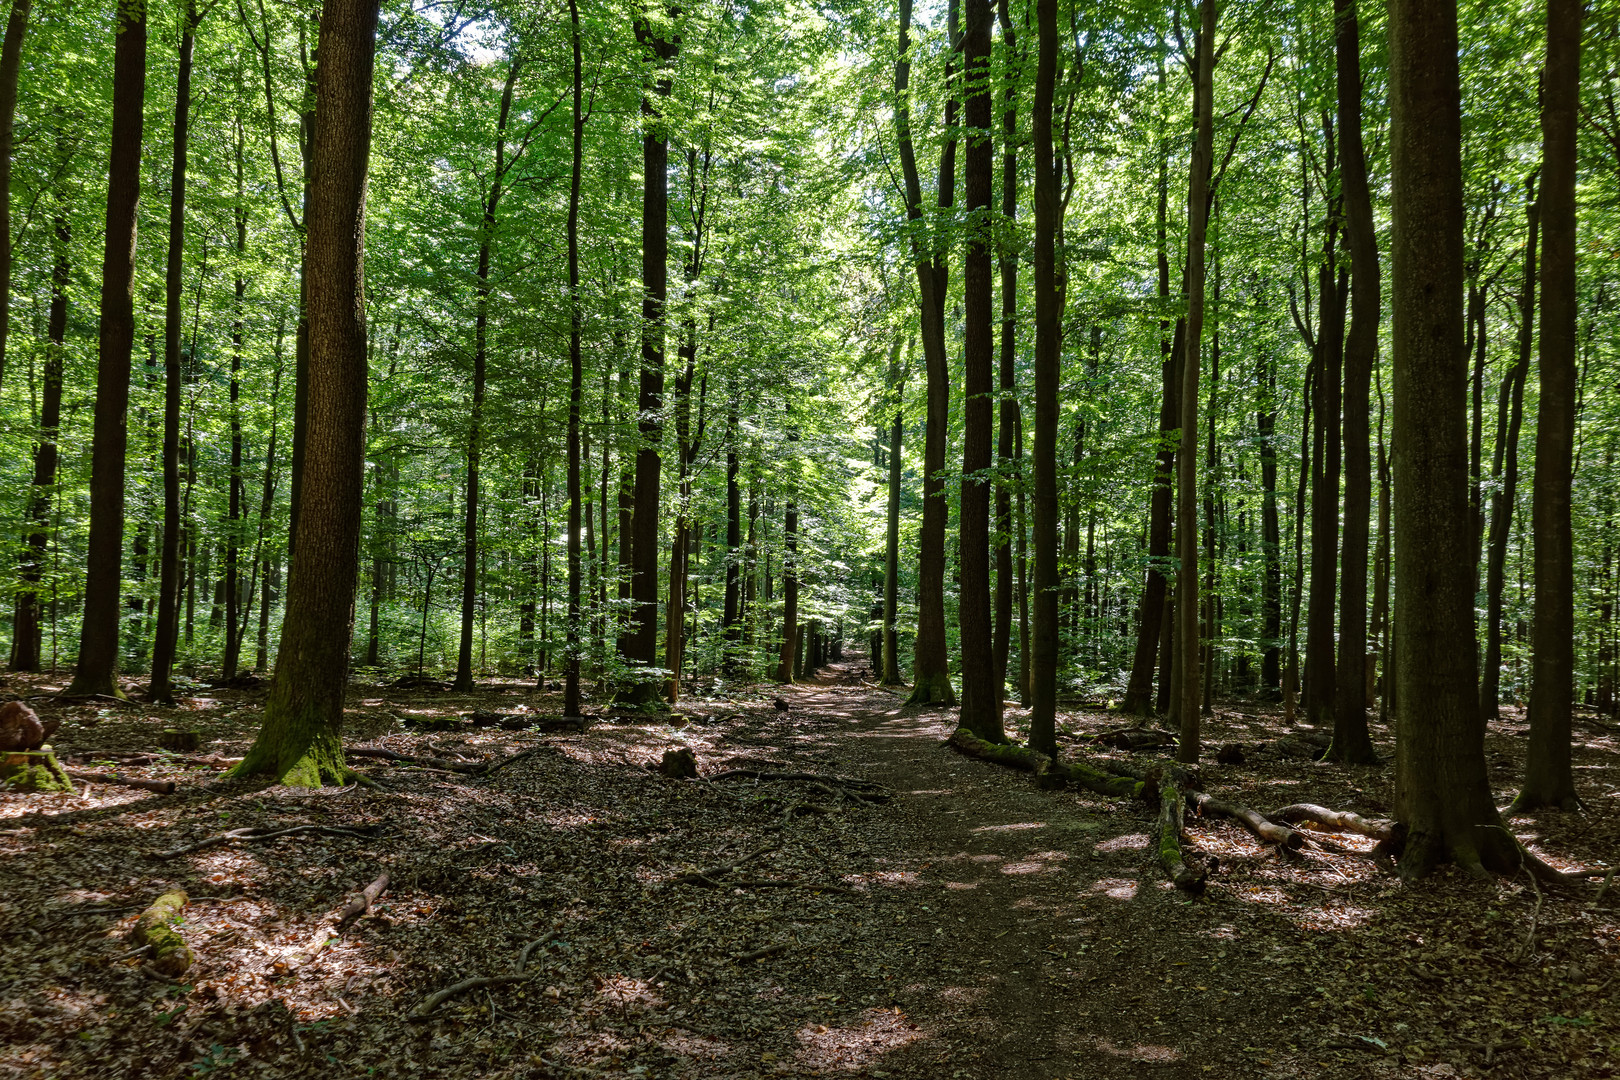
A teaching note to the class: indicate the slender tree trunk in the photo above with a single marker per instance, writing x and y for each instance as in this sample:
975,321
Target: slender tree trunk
1048,363
789,661
1020,523
300,741
10,67
1265,423
161,687
891,541
1351,742
1548,776
731,617
576,382
981,696
930,666
1505,470
235,623
97,671
1325,496
1443,796
1007,421
28,632
1187,461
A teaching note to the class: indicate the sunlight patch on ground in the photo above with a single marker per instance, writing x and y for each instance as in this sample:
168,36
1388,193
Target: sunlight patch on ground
1128,842
855,1047
1331,915
1143,1052
1011,828
1036,867
1113,888
960,884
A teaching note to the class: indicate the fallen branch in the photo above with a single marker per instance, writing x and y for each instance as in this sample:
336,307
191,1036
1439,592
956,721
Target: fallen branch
362,903
170,955
712,875
1187,878
760,954
854,787
407,759
256,834
424,1010
1332,820
1266,831
1033,761
162,787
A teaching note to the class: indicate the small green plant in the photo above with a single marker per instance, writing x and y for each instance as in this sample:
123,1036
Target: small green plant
215,1059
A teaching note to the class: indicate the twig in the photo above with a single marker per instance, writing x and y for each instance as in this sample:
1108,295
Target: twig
1535,918
424,1010
760,954
162,787
707,877
523,957
259,834
362,903
1608,879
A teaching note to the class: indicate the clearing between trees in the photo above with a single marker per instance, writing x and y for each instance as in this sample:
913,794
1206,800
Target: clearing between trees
837,894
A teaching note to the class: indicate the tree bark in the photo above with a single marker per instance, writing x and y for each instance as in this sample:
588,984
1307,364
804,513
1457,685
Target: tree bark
97,670
1548,776
576,381
981,697
161,688
10,68
788,662
1043,656
300,742
1443,795
1007,421
1351,742
890,674
1187,460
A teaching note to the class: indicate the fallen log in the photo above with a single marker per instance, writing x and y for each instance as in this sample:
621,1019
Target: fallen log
1333,820
1299,746
167,951
362,903
1263,829
1033,761
162,787
1189,878
1135,739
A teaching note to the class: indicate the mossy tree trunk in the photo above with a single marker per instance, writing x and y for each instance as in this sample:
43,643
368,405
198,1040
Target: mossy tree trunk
299,742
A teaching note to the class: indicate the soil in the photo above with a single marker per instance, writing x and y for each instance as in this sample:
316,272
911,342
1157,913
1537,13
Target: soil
916,914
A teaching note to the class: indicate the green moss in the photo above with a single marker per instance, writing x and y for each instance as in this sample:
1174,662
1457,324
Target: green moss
35,771
933,691
169,954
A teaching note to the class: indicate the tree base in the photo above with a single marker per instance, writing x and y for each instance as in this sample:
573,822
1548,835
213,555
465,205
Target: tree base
932,690
317,763
1530,799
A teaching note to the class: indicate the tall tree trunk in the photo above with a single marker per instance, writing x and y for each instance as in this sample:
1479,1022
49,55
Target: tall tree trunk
97,671
891,540
1265,424
475,432
1320,654
1187,460
1548,777
1351,742
981,696
731,617
641,640
576,380
161,688
930,666
1505,467
235,624
300,742
789,662
1007,421
27,633
1442,793
10,67
1043,657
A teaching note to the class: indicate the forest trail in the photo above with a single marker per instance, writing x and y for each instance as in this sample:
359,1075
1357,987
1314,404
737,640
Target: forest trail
1056,946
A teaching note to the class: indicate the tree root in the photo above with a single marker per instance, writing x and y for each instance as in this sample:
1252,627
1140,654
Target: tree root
852,788
161,787
425,1010
712,875
254,834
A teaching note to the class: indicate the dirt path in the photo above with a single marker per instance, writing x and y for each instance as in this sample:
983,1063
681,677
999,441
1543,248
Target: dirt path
1055,946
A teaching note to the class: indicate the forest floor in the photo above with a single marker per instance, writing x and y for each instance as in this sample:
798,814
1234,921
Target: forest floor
923,916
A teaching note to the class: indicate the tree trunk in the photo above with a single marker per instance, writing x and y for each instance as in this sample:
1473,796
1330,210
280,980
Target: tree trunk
1007,422
890,674
300,741
731,617
788,662
1351,742
1187,461
641,639
1443,795
235,623
1265,424
1548,777
1505,467
10,67
576,382
1325,466
160,688
981,696
930,666
97,671
1043,657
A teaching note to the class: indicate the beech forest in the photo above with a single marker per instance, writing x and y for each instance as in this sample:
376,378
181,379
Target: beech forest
809,538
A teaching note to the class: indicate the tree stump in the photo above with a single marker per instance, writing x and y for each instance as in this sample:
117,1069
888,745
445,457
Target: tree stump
679,764
181,742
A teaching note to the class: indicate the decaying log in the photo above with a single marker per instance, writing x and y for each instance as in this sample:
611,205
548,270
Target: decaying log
162,787
362,903
253,834
1135,738
1266,831
168,952
1333,820
1189,878
1033,761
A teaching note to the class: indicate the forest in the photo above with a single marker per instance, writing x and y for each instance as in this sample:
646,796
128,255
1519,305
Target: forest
606,501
